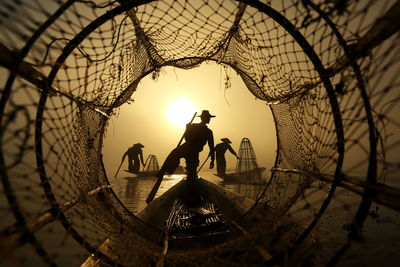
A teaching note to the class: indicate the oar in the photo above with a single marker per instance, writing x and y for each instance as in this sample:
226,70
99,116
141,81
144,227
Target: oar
118,168
203,164
159,180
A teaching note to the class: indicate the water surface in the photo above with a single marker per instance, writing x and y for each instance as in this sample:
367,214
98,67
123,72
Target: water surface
133,191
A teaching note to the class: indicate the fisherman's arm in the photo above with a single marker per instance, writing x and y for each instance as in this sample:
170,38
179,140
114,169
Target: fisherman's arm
233,152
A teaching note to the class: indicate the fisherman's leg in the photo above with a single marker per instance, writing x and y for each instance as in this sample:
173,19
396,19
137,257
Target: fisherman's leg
220,168
171,162
130,166
223,167
192,162
136,166
192,196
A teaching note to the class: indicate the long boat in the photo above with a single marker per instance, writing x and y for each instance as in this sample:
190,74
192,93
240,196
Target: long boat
190,215
225,204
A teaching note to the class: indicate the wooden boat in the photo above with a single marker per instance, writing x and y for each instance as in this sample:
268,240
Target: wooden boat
170,213
201,210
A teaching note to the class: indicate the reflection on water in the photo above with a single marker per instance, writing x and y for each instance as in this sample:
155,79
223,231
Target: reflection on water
133,191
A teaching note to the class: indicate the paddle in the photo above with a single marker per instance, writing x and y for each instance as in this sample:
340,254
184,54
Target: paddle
119,168
154,190
203,163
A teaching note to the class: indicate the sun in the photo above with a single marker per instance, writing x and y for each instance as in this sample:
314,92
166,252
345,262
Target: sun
180,111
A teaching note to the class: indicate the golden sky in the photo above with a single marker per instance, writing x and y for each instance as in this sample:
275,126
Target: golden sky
238,115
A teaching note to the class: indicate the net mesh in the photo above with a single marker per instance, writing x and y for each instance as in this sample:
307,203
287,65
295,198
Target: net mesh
151,164
329,71
246,167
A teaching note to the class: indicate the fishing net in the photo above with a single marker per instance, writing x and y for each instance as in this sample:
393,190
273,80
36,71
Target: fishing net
329,71
151,164
246,166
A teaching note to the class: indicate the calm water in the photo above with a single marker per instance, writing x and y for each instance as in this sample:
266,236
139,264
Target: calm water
133,191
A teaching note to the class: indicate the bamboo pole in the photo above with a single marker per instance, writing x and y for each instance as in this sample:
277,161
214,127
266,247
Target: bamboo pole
384,194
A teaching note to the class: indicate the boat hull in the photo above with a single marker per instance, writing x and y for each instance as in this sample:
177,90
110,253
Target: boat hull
230,204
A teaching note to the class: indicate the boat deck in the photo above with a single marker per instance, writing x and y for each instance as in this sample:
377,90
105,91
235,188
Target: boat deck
197,211
194,216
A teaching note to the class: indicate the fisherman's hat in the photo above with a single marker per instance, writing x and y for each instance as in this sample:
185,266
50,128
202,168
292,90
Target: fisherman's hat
206,114
138,145
226,140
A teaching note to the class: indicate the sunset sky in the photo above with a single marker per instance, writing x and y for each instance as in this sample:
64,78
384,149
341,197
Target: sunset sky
238,115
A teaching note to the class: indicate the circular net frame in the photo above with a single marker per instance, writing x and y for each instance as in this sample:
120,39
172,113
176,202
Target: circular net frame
328,70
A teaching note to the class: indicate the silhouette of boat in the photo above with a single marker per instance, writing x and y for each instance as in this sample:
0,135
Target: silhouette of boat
192,215
200,193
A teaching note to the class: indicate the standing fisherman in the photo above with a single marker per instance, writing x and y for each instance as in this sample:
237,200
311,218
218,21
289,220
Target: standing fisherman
196,136
133,153
220,150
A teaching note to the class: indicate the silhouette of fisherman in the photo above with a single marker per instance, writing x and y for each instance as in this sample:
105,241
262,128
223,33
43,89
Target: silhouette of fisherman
220,150
196,136
133,153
